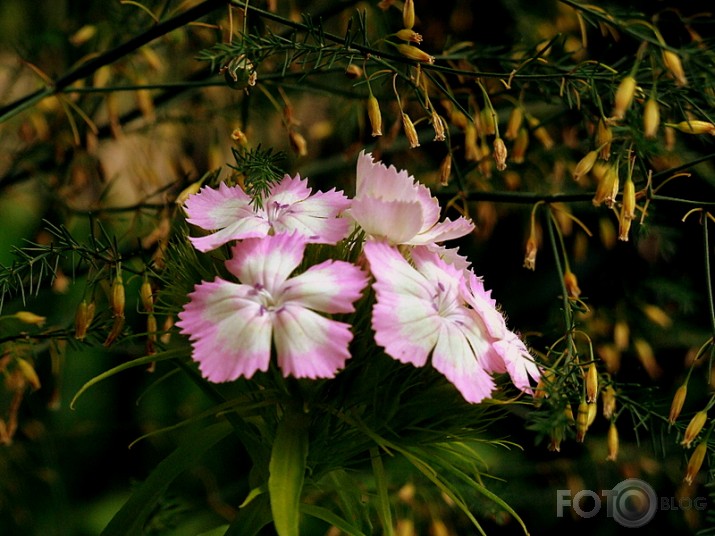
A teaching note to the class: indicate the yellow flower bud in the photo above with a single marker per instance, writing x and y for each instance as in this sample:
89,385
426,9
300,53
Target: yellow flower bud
645,354
487,121
521,144
28,371
188,191
408,14
628,209
624,97
445,169
83,319
438,125
607,188
612,442
582,418
532,248
591,381
26,317
676,406
696,462
673,64
146,295
516,119
353,72
540,133
458,119
409,35
410,131
373,113
117,299
651,118
604,137
116,331
239,136
621,334
571,283
471,148
500,153
297,143
151,334
608,398
695,127
694,426
585,165
414,53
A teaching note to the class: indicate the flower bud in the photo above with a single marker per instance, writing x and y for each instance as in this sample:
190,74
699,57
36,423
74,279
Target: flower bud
116,331
582,420
571,284
410,131
151,334
676,406
83,319
612,442
607,189
530,255
604,137
500,153
445,169
695,127
353,72
117,298
297,143
521,143
373,113
408,14
624,97
414,53
471,148
585,165
540,133
696,462
645,354
651,118
516,119
26,317
487,121
438,125
409,35
146,295
621,334
628,209
239,137
28,371
459,119
608,398
696,424
591,381
673,64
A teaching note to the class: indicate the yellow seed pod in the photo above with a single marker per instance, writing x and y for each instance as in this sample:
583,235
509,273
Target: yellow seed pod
409,35
28,371
118,298
608,399
607,188
695,127
146,295
571,284
628,209
582,420
408,14
621,334
445,170
414,53
353,72
298,143
438,125
604,137
673,64
83,319
521,144
487,121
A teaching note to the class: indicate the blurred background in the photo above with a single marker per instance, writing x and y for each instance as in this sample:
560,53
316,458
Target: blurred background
118,146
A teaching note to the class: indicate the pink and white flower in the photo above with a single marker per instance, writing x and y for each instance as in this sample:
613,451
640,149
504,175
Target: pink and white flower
428,310
288,206
231,325
389,204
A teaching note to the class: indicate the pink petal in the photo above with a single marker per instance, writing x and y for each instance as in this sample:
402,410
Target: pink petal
309,345
455,358
215,209
248,227
229,334
375,180
518,361
396,221
329,287
446,230
267,262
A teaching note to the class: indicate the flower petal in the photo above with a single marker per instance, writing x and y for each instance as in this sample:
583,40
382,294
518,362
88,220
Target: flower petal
443,231
267,261
396,221
518,361
248,227
376,180
309,345
454,357
230,335
329,287
212,208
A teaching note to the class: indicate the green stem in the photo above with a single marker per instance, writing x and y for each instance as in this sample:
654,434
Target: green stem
568,317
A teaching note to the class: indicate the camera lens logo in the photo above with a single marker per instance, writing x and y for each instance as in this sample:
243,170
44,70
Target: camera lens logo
631,503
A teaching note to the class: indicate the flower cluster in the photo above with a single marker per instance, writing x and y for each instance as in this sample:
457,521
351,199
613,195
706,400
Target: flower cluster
428,301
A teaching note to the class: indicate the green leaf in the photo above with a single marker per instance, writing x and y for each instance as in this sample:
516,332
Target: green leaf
330,517
287,471
252,517
146,360
131,517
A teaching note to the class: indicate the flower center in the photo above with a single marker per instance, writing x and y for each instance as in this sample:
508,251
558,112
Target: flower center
268,303
275,210
444,299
